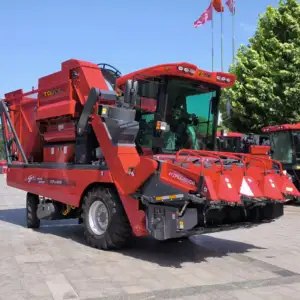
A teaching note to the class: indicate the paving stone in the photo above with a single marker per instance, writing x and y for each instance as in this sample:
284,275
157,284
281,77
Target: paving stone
61,289
33,258
246,295
134,289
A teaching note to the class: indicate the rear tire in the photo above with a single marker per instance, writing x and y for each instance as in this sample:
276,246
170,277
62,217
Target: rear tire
106,225
32,202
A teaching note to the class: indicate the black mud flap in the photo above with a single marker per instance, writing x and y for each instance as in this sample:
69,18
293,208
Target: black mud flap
266,212
163,222
273,210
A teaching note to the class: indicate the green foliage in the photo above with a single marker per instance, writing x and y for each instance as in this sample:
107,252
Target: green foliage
222,127
267,91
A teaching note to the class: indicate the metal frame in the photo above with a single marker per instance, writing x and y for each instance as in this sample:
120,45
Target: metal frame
4,110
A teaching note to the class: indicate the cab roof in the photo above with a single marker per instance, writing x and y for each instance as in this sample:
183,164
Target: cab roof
282,127
184,70
230,134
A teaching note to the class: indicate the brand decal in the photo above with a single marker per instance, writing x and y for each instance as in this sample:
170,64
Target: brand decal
52,92
181,178
204,74
49,181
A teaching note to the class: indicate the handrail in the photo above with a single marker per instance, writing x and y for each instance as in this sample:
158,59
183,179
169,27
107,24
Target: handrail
233,156
261,159
199,153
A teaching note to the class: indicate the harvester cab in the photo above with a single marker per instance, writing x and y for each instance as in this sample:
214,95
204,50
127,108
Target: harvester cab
230,141
245,143
173,111
285,147
138,159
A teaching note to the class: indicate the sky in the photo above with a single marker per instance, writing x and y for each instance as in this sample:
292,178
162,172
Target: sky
37,36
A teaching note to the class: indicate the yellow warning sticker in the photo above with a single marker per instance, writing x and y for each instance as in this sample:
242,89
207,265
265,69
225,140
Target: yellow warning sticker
289,189
229,185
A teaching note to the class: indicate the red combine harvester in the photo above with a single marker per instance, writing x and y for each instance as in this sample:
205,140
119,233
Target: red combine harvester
239,142
126,161
285,147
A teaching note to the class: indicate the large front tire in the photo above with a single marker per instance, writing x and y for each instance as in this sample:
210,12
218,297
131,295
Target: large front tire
105,222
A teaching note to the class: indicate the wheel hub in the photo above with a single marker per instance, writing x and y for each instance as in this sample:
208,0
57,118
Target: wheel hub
98,217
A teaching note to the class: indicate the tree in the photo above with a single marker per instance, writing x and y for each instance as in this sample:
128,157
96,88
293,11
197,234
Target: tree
267,91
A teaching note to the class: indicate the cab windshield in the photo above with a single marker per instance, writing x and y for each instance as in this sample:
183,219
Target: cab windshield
229,144
282,146
296,143
186,106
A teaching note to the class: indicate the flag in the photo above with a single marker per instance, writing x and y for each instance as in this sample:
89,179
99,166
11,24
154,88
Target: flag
206,16
218,5
231,6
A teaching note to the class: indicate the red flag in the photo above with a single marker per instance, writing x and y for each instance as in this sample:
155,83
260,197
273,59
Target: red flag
206,16
218,5
231,6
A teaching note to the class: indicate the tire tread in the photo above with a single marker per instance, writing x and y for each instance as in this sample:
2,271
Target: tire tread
32,202
119,230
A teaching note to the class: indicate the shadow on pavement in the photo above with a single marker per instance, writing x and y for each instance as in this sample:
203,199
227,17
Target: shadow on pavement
17,216
166,253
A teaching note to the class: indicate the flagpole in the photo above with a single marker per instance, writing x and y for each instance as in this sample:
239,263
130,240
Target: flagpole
233,31
212,37
222,41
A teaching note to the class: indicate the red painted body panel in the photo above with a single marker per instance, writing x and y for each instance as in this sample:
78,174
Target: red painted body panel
68,186
61,97
135,215
70,192
230,134
60,132
260,150
62,153
120,159
253,179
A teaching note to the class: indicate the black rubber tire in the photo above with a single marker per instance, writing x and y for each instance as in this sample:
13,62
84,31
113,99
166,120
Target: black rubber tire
32,202
118,233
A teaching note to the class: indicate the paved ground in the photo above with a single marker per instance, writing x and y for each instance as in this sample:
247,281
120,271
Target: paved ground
55,263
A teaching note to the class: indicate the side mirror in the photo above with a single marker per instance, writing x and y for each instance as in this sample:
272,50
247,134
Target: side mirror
228,108
130,92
